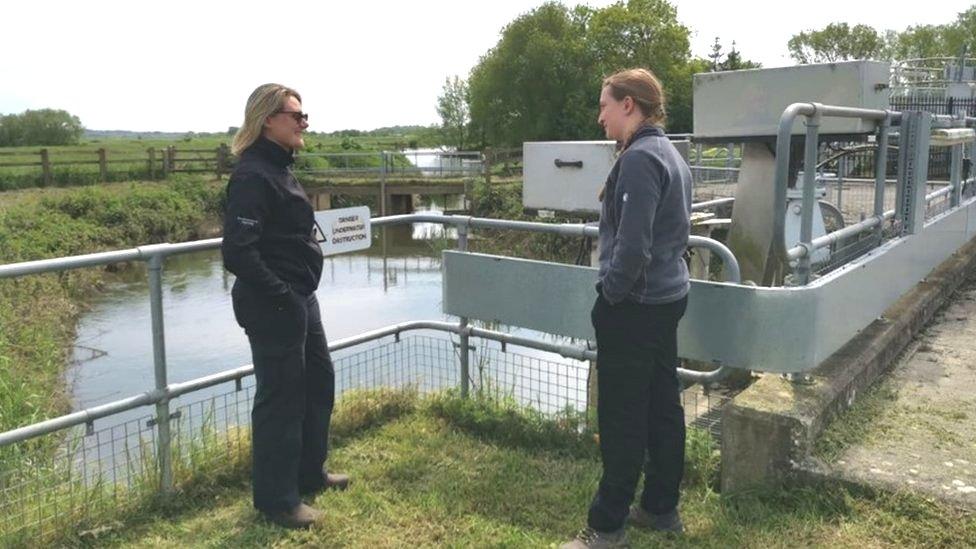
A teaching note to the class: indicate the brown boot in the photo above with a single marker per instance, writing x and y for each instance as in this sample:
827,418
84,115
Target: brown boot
336,481
333,481
300,516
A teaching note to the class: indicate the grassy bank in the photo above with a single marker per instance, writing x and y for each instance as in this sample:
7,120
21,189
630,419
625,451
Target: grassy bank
441,472
38,313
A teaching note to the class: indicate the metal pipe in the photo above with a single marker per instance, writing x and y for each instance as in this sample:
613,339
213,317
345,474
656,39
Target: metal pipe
164,448
955,175
392,330
81,417
781,172
705,378
851,230
144,253
711,203
64,263
783,141
823,241
881,170
728,258
178,389
566,229
464,348
809,188
939,193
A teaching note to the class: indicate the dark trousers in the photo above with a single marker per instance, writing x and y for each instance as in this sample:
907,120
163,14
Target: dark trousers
641,420
294,398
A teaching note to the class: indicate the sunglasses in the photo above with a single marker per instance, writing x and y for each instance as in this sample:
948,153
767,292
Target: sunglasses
297,115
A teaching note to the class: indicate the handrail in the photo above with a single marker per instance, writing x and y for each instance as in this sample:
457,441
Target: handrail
814,112
826,240
174,390
155,253
144,253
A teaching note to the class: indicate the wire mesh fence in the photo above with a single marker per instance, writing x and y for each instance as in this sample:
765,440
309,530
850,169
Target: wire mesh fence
97,476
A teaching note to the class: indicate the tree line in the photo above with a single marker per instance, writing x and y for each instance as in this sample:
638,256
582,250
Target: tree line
541,81
41,127
841,42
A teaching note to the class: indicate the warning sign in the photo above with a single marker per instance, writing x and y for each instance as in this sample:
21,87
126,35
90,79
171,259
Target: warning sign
343,230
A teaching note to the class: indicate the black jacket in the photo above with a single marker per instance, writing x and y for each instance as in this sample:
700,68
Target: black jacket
268,225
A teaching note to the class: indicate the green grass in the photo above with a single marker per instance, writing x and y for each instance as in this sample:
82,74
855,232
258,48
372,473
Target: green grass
37,313
440,472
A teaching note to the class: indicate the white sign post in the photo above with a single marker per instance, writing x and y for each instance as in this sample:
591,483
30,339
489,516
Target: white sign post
343,230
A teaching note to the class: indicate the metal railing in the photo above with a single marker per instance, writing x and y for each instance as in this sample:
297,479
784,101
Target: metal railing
393,164
96,478
800,255
164,391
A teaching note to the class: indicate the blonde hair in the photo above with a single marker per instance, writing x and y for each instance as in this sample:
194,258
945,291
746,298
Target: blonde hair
644,88
265,101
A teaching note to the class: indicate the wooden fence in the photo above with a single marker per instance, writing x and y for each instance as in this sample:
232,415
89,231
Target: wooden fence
46,167
158,162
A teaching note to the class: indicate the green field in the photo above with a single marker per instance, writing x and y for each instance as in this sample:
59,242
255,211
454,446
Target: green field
129,158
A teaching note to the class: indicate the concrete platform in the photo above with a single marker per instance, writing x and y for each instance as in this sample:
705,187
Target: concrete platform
771,430
920,429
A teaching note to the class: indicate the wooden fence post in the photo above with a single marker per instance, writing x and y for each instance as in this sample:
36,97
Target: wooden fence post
102,165
223,157
152,162
165,163
45,168
171,151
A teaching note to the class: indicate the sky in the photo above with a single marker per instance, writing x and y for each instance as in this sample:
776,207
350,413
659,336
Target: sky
190,65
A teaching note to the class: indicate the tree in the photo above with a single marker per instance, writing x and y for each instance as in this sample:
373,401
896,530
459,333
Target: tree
542,80
716,54
452,106
538,82
836,42
646,33
734,61
961,34
917,42
45,127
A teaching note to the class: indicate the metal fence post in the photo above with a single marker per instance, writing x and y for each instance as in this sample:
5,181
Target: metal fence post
383,183
464,347
881,174
383,234
809,197
164,439
955,176
971,171
841,168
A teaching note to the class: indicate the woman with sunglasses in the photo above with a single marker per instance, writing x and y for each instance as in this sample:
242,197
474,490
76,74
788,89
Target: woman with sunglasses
269,246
